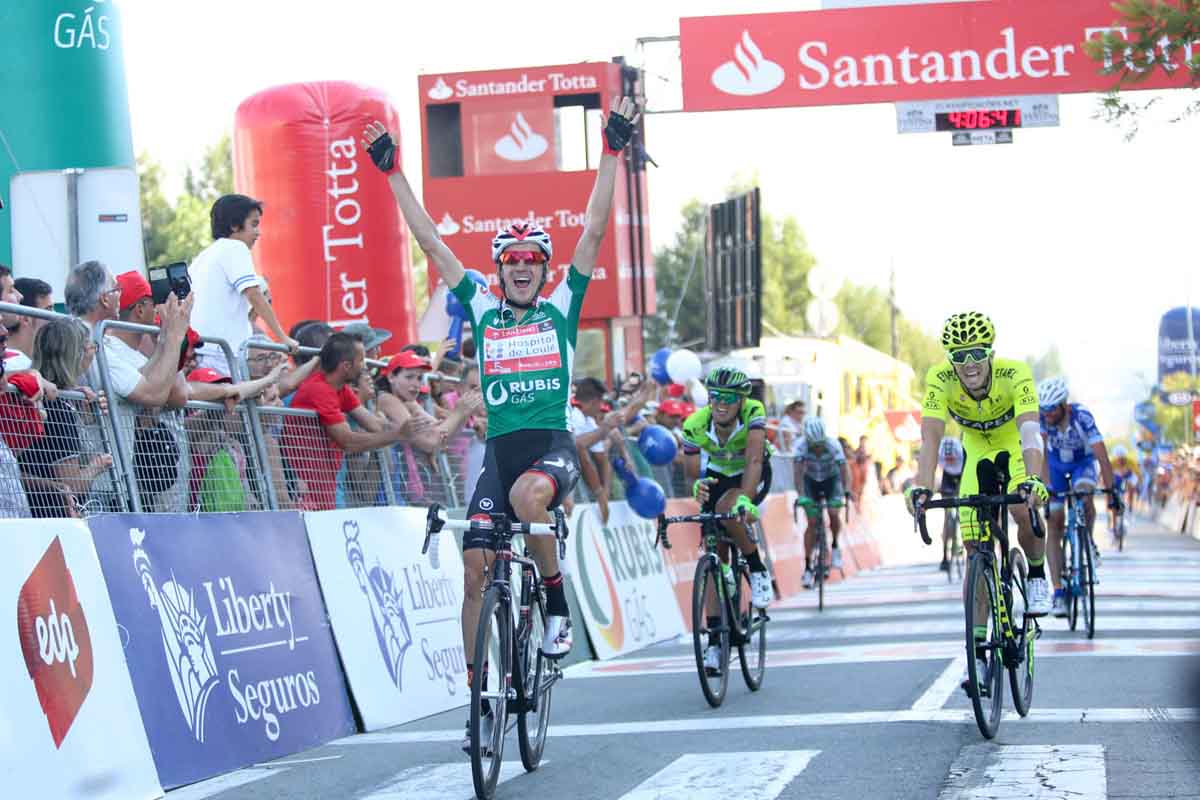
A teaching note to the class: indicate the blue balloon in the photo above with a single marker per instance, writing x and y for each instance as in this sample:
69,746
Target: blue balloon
647,499
657,445
658,366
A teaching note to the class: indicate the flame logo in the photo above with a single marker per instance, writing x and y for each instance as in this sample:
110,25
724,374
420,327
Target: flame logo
749,73
521,143
448,227
440,91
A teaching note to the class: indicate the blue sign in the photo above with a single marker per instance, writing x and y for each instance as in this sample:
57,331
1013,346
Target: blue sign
226,638
1176,348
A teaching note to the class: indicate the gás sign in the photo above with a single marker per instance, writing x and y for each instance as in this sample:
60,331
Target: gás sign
621,581
395,612
230,655
885,54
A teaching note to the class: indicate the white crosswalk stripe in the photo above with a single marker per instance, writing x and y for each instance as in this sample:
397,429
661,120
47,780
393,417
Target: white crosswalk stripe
1038,772
449,781
221,783
718,776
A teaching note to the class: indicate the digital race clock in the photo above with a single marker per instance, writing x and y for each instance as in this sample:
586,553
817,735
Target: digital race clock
977,119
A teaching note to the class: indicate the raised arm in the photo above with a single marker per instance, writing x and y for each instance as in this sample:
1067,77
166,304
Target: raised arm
618,130
386,155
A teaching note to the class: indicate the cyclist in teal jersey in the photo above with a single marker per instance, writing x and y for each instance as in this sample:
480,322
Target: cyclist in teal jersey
525,345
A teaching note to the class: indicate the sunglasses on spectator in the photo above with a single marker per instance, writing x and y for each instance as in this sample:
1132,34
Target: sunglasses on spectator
724,398
970,355
522,257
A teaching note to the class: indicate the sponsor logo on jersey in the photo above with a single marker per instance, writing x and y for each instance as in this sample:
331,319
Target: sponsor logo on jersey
520,392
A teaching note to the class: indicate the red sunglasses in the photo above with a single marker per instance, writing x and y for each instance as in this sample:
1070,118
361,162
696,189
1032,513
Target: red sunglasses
522,257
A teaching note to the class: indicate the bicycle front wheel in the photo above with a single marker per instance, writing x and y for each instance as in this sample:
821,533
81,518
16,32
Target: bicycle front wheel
1020,674
536,685
1070,581
493,642
1087,585
752,630
986,689
708,592
819,574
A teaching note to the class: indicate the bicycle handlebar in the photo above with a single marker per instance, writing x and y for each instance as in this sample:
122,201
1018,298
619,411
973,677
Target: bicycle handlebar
703,516
976,501
435,523
1084,493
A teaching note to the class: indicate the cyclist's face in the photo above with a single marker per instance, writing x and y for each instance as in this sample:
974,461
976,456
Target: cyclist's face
725,412
1055,415
974,375
521,279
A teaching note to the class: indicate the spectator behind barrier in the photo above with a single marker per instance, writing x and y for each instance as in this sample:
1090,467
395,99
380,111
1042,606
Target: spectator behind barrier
359,481
314,454
144,387
260,363
63,459
591,427
32,293
218,479
476,445
225,285
17,358
372,338
18,415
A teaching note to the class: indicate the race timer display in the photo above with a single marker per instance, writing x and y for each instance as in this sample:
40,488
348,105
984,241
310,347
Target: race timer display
977,119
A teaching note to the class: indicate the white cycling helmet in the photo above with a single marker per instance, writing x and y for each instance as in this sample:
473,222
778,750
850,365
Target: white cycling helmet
1119,451
1052,392
951,448
520,232
814,429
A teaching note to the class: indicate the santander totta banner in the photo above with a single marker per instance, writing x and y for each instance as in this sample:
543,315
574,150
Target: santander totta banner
885,54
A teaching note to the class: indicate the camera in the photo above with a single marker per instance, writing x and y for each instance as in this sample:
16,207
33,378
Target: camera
167,279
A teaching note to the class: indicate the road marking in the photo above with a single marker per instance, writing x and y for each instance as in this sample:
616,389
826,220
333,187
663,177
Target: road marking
708,723
716,776
1111,604
438,781
221,783
297,761
940,690
893,651
951,624
1042,772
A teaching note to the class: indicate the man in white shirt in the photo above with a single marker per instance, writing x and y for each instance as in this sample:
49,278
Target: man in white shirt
225,285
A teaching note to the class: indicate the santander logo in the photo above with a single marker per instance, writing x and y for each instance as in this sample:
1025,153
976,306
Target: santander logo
749,73
521,143
448,227
440,91
55,641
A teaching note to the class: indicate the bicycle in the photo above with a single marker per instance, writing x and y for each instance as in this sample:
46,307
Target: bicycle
1014,647
957,551
1078,570
525,690
821,552
740,624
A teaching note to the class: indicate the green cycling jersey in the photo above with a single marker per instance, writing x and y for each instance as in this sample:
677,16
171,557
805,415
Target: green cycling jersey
725,457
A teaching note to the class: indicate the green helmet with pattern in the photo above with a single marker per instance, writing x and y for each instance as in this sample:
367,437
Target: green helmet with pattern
969,329
728,379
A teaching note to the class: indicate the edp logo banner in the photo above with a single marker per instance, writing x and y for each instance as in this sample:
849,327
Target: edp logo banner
231,658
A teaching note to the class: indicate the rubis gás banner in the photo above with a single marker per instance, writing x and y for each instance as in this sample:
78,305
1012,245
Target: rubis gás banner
69,726
890,53
229,648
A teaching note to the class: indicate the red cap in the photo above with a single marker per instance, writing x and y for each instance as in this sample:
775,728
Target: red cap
208,375
676,390
688,409
134,287
672,408
407,359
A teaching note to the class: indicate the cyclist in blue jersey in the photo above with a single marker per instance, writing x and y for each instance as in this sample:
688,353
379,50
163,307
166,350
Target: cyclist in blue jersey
1074,447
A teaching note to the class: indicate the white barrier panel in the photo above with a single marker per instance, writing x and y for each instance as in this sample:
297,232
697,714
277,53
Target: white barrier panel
395,612
621,580
69,723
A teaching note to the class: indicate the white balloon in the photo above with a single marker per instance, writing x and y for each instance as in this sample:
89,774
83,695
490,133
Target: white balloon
683,366
699,393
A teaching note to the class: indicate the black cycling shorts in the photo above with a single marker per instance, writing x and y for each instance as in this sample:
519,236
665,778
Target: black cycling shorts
950,484
726,482
507,458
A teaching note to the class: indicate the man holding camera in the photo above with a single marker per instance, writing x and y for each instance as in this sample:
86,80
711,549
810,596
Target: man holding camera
225,284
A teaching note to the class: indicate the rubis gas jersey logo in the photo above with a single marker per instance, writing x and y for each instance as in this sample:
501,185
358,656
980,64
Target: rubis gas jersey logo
54,639
749,73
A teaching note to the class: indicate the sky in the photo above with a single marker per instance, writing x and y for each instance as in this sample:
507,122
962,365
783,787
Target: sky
1070,236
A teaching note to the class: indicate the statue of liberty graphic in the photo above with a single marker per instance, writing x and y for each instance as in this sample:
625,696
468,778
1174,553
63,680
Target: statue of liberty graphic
386,600
185,640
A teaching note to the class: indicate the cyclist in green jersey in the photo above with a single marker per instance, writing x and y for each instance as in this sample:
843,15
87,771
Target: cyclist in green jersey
732,431
525,345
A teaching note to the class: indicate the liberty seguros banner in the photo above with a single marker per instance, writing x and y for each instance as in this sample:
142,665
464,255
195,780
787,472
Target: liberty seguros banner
69,724
230,653
395,611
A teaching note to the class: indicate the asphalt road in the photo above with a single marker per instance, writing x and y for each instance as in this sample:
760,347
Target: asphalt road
859,701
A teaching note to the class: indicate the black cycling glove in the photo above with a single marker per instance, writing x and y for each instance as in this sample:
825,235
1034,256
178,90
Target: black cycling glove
385,154
617,132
